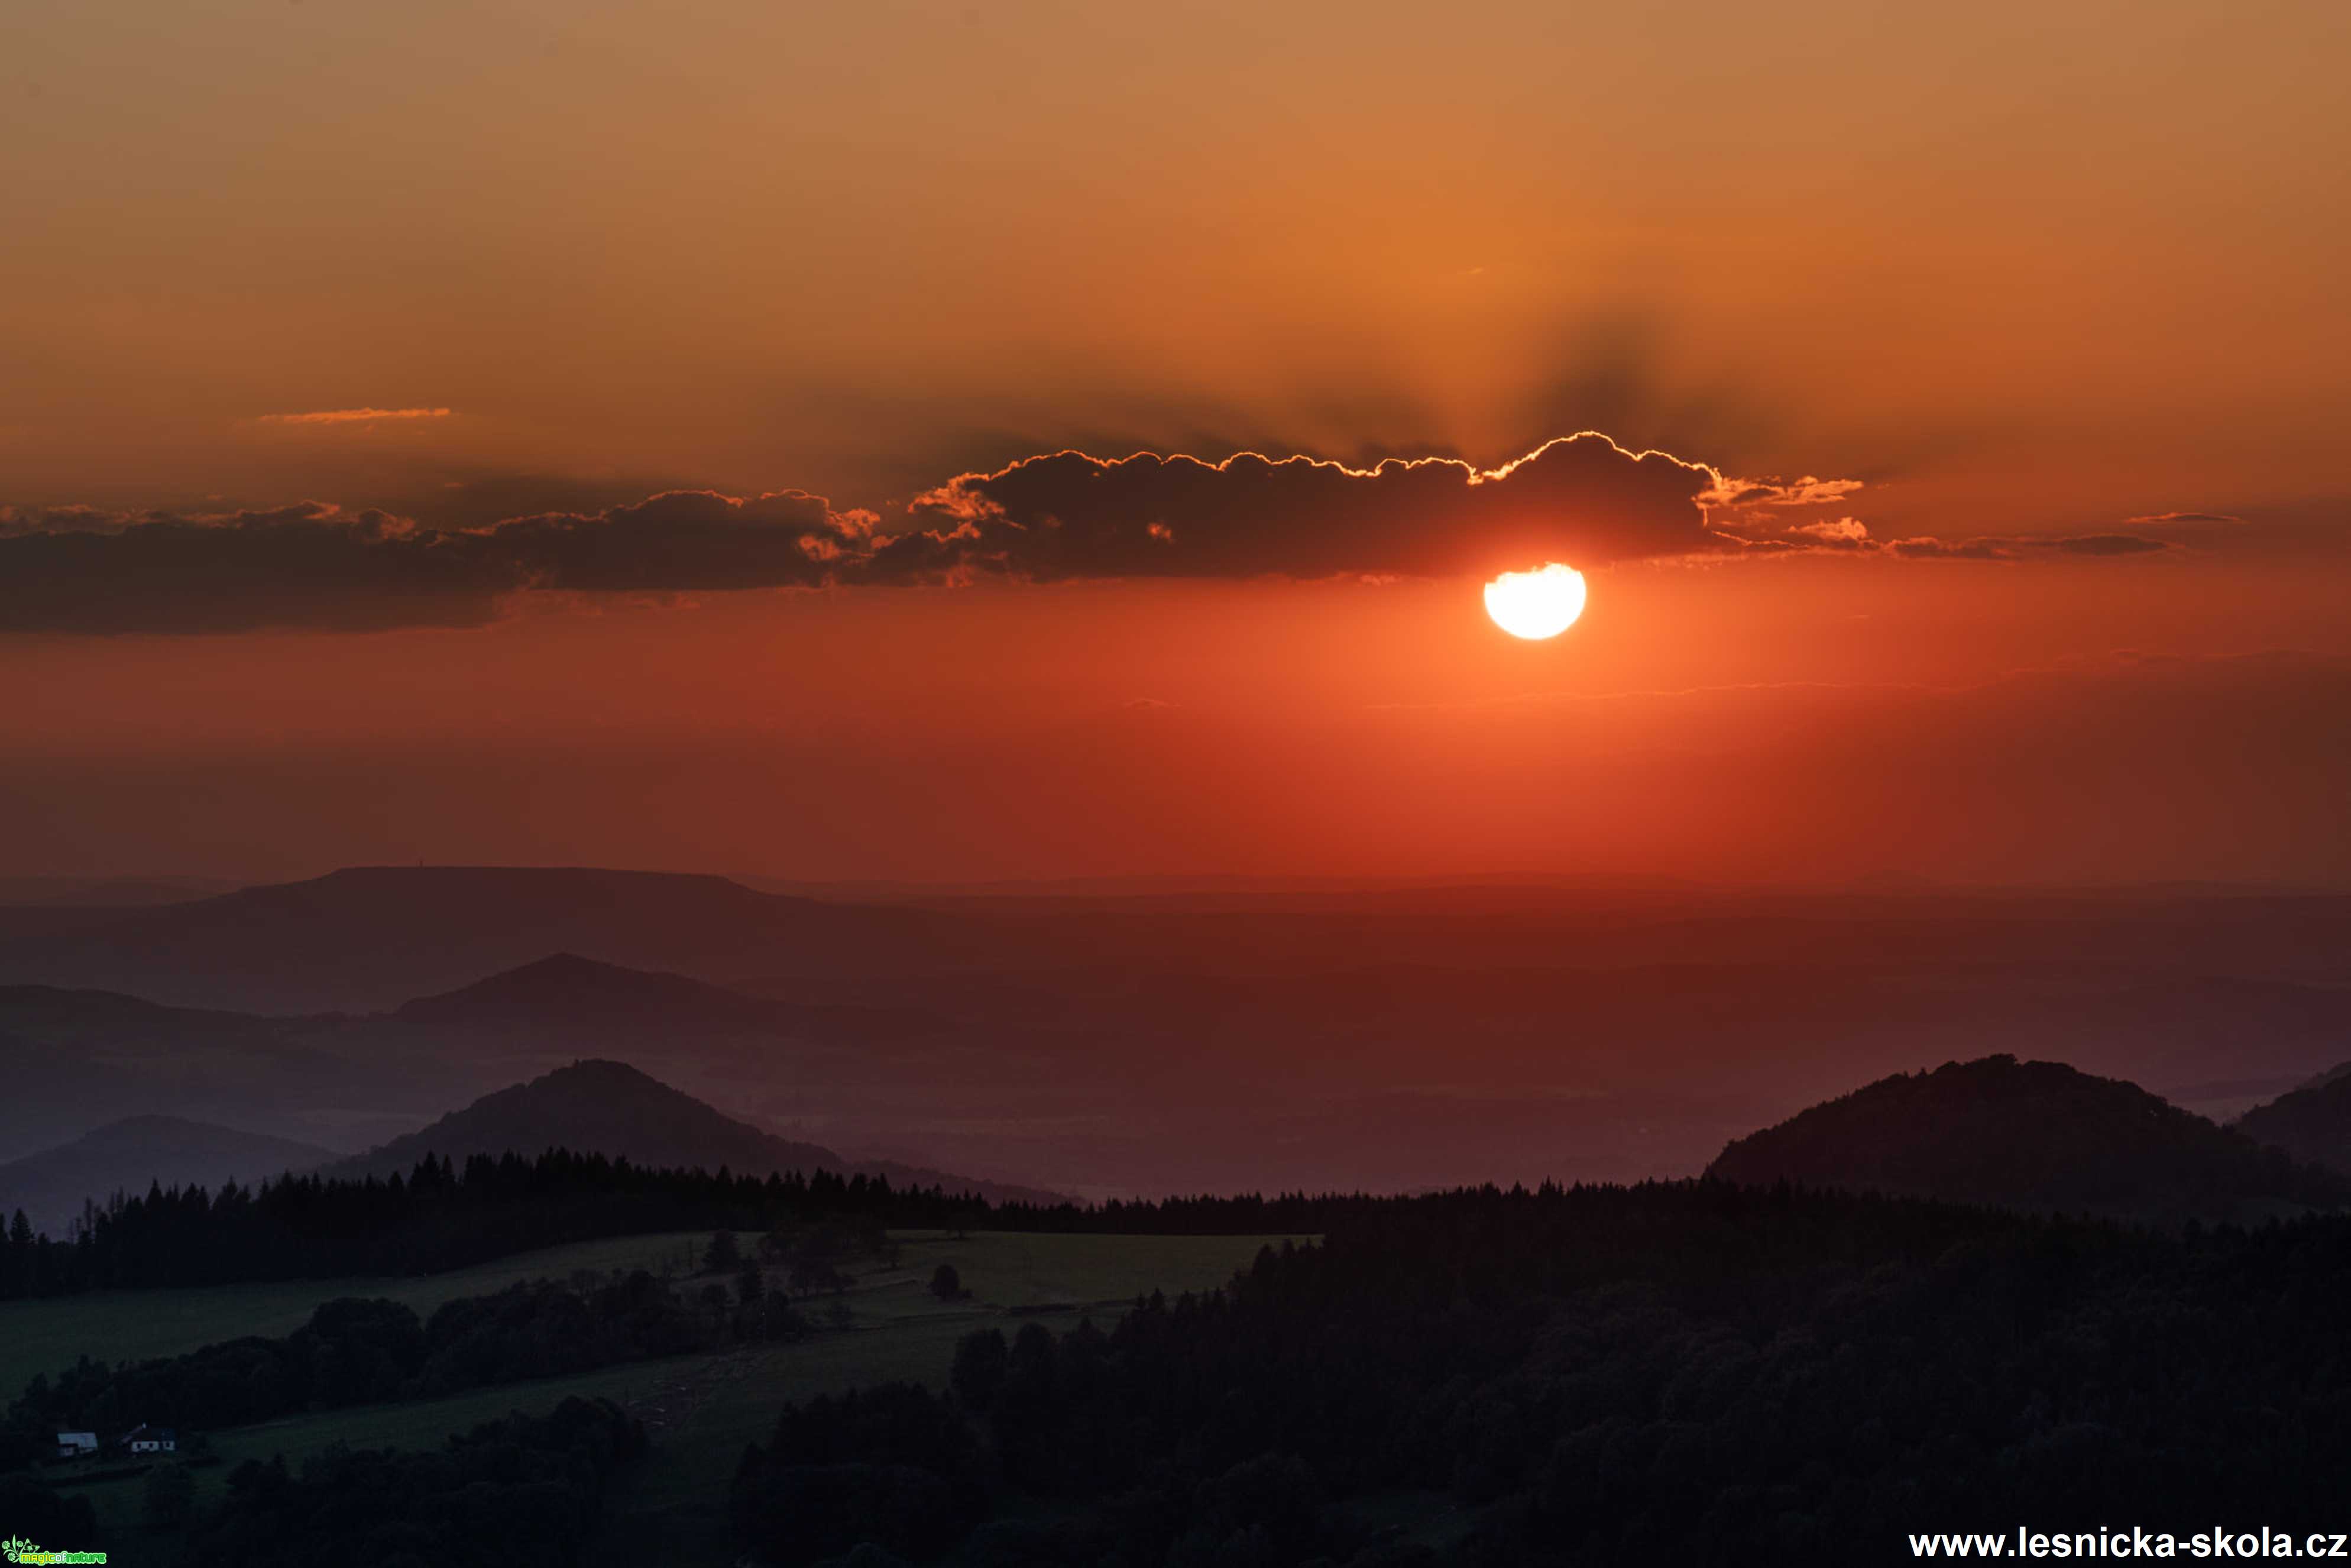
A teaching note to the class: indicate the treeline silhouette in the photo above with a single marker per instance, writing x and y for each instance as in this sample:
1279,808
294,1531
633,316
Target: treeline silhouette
36,1512
363,1352
355,1352
523,1492
1682,1374
446,1216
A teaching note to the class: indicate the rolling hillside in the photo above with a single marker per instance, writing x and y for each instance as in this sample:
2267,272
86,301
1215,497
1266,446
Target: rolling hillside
2029,1134
612,1108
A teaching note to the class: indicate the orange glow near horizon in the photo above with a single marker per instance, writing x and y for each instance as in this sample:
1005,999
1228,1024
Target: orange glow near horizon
1962,459
1536,605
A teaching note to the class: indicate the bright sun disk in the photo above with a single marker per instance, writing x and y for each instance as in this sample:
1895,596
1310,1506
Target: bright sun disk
1536,604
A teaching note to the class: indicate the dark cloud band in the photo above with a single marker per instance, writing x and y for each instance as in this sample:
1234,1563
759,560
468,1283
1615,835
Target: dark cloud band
1582,499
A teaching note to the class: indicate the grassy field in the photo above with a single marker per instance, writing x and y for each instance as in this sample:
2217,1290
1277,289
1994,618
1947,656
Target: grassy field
673,1510
701,1409
132,1325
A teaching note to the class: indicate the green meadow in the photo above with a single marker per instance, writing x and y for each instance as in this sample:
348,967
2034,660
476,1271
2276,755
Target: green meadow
44,1336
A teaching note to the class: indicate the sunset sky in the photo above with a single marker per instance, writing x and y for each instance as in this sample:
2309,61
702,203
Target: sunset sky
701,435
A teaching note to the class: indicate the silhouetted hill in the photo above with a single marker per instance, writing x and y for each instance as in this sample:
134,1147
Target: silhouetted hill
74,1060
2340,1069
128,1154
370,939
612,1108
2029,1134
2312,1122
1177,1042
597,1107
570,990
72,1015
568,994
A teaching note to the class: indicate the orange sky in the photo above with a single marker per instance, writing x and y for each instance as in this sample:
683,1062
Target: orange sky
2026,273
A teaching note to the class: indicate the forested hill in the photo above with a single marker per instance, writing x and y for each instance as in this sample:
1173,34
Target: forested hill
604,1107
1683,1373
610,1108
2031,1135
2312,1122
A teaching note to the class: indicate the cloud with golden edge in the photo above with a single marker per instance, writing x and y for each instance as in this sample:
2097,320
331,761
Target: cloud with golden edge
351,415
1058,517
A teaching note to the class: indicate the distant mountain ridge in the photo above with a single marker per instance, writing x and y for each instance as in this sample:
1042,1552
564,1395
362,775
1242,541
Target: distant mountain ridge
1157,1041
568,988
128,1154
604,1107
371,937
2030,1135
367,939
67,1011
584,996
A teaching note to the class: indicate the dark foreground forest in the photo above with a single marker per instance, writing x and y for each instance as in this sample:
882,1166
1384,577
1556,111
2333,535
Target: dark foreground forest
1690,1373
1674,1373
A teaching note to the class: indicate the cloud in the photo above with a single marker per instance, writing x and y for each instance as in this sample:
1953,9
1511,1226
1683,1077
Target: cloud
1837,533
1950,550
682,541
308,566
1582,499
1807,491
73,519
2198,531
2012,549
2107,544
351,415
2188,519
313,566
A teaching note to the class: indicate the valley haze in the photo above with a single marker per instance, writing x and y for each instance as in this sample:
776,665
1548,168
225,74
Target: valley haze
1388,1038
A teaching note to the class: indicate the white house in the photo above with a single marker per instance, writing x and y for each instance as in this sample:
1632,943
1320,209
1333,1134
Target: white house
145,1439
77,1445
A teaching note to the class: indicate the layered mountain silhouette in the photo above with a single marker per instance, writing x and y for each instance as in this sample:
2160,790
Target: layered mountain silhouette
567,989
130,1155
73,1061
2312,1122
74,1058
565,992
610,1108
79,1020
1138,1038
369,938
2030,1135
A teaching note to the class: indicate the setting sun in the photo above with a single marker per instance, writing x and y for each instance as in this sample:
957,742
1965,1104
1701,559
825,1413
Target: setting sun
857,706
1536,604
